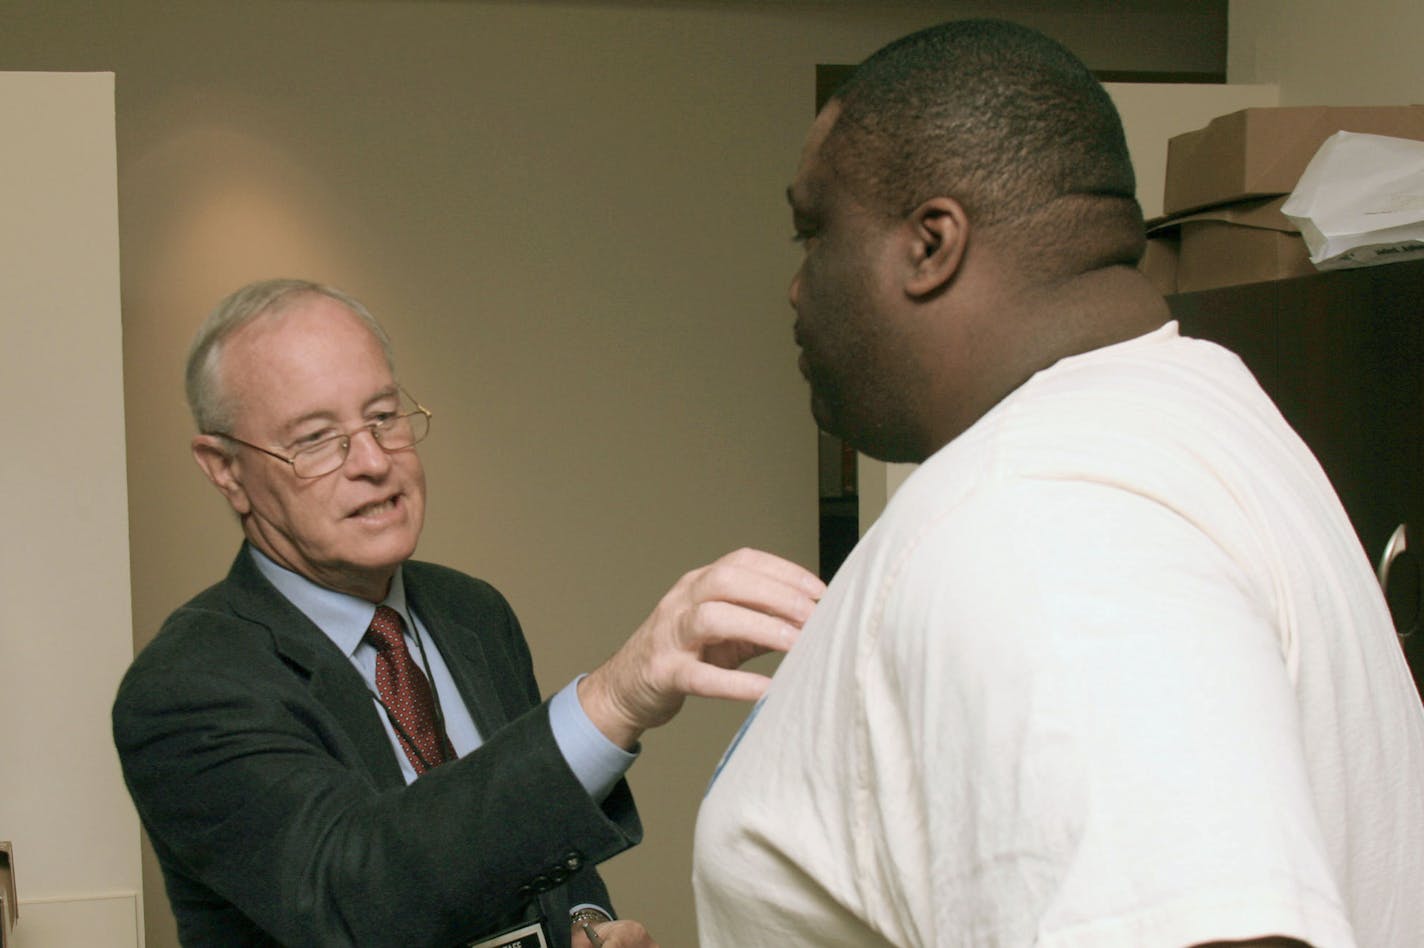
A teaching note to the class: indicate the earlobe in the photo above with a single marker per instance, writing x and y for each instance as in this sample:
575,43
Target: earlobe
940,230
212,456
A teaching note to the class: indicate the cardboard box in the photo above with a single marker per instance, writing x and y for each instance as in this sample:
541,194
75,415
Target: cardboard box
1159,260
1262,152
1247,242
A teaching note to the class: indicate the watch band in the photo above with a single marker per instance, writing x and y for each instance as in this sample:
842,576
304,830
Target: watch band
589,914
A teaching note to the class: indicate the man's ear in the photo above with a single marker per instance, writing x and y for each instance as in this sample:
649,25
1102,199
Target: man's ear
939,230
220,465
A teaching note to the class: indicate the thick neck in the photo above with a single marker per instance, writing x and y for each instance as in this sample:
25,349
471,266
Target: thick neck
1002,338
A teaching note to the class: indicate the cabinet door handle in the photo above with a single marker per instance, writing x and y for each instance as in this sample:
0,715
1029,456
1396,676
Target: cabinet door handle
1397,546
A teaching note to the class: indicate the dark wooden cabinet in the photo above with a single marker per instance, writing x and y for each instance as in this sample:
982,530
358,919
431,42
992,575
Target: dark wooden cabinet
1342,354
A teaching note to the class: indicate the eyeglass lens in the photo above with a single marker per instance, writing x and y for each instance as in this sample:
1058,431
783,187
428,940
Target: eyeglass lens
392,434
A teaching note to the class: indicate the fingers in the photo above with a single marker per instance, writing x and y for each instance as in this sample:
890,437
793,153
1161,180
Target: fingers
731,684
620,934
712,621
749,632
776,566
758,579
758,583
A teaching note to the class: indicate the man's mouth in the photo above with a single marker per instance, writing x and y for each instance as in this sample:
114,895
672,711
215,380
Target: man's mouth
376,508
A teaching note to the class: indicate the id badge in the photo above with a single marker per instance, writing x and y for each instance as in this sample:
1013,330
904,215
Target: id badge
528,936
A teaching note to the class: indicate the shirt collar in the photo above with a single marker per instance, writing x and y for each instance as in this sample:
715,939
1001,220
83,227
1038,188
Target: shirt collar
343,618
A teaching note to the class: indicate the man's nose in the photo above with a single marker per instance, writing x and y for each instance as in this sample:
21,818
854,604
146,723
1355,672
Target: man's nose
365,453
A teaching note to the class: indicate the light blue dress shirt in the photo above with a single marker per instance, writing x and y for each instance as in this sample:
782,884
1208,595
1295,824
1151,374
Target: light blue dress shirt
595,760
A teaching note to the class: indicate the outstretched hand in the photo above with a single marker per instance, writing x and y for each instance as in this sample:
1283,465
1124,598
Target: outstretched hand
713,620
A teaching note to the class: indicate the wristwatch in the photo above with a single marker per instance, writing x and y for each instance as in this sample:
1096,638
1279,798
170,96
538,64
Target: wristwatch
586,917
589,914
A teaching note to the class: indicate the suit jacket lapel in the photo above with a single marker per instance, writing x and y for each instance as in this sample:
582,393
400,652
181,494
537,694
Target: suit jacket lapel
334,683
339,688
460,645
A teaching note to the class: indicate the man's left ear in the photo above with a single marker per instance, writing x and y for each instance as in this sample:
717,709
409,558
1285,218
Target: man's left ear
939,229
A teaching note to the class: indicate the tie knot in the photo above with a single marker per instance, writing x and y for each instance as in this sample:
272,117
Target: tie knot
386,629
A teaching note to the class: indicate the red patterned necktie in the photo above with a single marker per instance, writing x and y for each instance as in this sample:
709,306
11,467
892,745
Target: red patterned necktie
405,693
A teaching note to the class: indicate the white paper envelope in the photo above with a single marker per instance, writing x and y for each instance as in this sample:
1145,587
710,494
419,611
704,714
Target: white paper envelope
1361,201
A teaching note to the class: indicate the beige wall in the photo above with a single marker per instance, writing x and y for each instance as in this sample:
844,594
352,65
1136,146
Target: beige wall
1328,52
570,216
65,630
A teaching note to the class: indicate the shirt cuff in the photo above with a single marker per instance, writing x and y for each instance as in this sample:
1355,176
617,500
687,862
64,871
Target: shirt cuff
590,906
597,762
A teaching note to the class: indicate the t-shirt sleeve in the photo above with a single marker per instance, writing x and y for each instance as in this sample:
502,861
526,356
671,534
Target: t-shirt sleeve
1084,699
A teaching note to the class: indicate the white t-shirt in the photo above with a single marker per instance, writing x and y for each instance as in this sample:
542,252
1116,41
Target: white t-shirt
1111,670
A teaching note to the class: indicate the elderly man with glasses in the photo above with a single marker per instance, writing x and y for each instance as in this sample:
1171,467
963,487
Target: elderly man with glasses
338,745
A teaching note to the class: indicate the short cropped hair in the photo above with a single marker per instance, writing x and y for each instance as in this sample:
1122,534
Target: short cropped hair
993,114
213,409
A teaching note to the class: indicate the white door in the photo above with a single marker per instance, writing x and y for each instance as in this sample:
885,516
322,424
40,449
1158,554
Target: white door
65,620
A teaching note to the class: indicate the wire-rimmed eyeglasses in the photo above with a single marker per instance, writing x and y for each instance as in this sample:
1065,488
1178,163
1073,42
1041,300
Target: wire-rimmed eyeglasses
393,431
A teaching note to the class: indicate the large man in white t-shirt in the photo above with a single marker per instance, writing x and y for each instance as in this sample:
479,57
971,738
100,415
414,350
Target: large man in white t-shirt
1111,669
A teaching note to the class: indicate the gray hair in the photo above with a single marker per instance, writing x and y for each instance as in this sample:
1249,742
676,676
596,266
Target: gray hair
213,410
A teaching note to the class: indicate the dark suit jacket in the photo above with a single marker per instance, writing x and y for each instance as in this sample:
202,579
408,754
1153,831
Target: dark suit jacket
276,805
